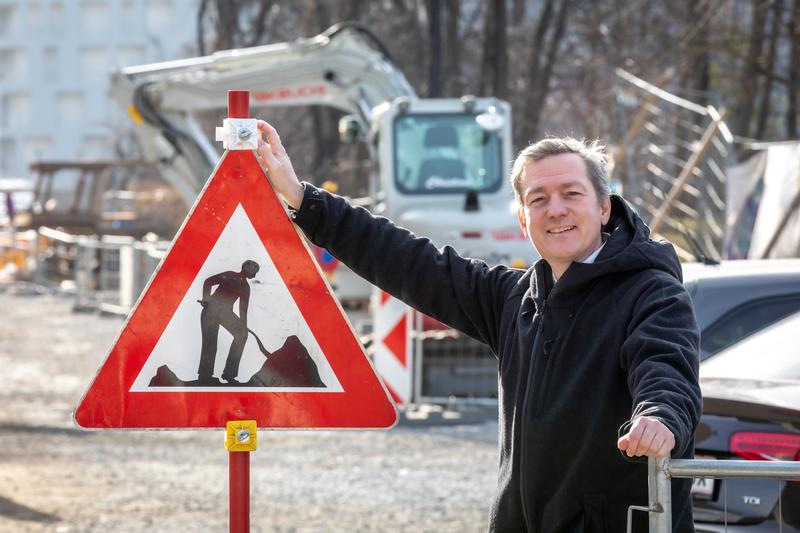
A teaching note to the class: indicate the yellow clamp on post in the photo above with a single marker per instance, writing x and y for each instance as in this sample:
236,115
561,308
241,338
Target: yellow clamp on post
241,436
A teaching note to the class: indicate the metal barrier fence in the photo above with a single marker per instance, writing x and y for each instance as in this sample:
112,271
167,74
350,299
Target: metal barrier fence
660,471
108,272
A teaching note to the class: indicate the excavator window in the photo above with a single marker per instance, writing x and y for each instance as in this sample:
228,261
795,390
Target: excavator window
445,153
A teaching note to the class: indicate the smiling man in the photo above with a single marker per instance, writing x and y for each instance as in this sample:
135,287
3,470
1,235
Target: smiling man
596,343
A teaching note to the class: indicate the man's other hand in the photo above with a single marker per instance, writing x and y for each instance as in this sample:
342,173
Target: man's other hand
281,173
647,437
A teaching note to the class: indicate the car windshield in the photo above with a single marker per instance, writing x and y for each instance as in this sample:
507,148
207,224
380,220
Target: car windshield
445,154
771,354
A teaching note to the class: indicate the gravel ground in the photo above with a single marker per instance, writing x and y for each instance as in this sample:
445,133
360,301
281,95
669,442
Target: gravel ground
435,471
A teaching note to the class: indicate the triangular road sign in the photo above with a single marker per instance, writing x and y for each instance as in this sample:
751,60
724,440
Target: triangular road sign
187,358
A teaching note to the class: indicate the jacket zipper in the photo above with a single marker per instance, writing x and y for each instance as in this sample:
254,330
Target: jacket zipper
536,346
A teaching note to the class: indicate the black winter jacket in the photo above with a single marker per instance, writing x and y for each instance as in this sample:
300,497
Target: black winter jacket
578,359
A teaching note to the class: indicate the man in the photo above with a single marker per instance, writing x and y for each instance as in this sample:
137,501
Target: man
596,344
218,311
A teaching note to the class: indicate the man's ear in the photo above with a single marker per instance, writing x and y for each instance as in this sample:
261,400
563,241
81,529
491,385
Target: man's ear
522,222
605,210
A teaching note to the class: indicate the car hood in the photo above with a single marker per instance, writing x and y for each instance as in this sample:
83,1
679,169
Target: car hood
758,400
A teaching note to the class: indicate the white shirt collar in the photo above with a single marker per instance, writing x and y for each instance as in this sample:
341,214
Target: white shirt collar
589,259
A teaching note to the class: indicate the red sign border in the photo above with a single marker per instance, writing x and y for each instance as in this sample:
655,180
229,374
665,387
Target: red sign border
239,179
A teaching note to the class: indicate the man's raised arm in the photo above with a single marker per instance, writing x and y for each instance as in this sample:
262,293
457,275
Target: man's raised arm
465,294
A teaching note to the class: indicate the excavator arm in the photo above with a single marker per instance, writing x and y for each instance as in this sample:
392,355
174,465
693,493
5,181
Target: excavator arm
337,68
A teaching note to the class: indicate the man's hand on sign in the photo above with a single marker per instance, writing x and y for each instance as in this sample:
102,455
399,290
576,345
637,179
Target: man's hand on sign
281,173
648,437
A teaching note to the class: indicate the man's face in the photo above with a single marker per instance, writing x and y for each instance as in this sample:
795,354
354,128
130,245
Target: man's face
560,212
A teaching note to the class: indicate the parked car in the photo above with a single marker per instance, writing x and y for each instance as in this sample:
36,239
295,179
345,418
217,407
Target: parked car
735,299
751,411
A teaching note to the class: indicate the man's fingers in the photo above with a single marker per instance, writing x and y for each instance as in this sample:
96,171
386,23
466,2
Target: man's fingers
646,440
647,437
273,139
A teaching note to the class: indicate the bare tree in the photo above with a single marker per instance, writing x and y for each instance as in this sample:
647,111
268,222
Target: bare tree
543,55
453,46
748,78
494,64
769,64
435,48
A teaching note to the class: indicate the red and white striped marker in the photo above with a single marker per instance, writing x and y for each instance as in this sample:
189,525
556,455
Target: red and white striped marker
393,327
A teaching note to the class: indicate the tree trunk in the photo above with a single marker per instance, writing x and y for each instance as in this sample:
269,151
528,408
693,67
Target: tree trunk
435,48
794,71
500,78
766,95
518,12
541,67
259,24
201,34
749,74
452,66
227,24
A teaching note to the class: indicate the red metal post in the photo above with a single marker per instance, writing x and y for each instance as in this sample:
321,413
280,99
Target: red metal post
238,104
239,491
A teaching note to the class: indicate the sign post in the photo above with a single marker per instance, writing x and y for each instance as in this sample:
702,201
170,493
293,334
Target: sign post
240,439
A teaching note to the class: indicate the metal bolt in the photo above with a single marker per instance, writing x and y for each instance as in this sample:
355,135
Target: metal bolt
244,133
242,436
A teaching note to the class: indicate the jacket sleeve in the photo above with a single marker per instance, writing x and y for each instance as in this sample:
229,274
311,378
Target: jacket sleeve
660,356
463,293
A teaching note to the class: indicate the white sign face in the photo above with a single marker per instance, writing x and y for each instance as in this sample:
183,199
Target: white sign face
208,348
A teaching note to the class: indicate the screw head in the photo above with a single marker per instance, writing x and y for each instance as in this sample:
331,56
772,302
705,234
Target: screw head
243,133
242,435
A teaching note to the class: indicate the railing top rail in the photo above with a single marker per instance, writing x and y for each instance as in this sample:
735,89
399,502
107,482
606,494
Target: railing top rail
690,468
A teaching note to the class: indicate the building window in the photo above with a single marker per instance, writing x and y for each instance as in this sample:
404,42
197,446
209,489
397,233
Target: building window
94,17
13,65
35,18
16,110
55,19
70,108
51,65
131,13
8,157
94,62
9,20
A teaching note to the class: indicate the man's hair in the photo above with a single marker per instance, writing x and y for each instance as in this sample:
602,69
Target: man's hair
592,153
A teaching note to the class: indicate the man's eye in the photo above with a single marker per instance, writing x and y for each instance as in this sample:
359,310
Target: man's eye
573,193
536,200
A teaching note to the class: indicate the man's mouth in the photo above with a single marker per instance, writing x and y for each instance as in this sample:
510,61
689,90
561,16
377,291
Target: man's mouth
560,229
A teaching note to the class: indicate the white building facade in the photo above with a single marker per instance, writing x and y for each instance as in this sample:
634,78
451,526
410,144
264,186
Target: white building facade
55,59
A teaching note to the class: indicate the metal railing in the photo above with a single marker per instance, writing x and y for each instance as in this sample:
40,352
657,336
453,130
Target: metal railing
660,471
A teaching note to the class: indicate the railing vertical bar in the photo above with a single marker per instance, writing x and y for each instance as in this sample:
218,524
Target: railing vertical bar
660,495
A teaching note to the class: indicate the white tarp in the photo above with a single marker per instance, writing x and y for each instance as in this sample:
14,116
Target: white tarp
781,187
761,191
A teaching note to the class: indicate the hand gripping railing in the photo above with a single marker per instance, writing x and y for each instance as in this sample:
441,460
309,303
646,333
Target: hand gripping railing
660,471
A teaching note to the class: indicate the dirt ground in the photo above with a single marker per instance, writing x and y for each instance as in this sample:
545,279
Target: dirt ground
435,471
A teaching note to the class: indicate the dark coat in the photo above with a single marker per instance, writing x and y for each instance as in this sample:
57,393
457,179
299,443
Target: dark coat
578,360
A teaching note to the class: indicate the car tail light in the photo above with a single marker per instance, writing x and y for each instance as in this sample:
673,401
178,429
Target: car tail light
760,446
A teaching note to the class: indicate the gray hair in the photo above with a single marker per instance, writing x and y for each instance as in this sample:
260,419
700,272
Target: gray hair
592,153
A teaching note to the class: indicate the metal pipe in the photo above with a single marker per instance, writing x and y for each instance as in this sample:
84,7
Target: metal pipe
660,492
690,468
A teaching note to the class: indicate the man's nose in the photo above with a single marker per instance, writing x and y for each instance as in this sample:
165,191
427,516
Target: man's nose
556,208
